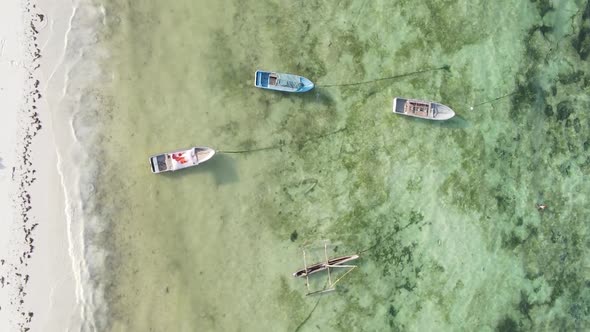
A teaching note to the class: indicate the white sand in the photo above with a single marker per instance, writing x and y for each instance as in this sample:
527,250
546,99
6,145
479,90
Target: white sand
42,277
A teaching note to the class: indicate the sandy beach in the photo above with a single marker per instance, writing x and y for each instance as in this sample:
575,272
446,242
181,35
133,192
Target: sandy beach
38,287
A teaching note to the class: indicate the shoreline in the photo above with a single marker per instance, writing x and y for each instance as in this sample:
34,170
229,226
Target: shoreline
38,290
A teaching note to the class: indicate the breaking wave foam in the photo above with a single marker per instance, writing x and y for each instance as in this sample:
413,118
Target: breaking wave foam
77,79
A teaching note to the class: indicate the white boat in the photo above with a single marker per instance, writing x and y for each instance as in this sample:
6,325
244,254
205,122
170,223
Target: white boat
422,109
180,159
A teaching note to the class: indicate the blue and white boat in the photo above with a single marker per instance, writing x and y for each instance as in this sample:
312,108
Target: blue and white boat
282,82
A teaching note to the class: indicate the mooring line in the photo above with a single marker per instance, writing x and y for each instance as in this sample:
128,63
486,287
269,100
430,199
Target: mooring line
309,315
390,236
371,247
278,146
252,150
493,100
445,67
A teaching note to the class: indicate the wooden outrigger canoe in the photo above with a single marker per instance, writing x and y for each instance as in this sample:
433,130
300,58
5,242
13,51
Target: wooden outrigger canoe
339,262
321,266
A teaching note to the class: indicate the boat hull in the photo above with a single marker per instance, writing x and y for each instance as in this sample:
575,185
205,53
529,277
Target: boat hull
422,109
282,82
323,266
180,159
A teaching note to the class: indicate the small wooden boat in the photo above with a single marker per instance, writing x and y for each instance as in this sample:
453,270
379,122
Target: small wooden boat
282,82
180,159
422,109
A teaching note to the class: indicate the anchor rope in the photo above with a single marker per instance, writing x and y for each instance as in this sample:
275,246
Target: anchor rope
309,315
280,145
445,67
493,100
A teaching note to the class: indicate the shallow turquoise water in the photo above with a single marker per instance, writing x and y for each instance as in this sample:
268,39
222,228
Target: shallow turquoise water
449,207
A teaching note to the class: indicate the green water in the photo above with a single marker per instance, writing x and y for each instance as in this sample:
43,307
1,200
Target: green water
450,206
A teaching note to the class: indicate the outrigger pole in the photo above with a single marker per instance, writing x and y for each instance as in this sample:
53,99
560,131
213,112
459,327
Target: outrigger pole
306,274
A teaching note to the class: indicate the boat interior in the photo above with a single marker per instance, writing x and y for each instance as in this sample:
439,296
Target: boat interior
162,162
202,154
417,108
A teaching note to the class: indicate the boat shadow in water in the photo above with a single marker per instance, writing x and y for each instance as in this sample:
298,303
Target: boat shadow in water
318,96
456,122
222,166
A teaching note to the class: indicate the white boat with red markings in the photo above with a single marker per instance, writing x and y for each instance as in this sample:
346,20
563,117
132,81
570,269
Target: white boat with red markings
180,159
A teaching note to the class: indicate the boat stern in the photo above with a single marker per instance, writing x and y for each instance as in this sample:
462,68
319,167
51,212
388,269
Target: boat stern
261,79
154,165
398,105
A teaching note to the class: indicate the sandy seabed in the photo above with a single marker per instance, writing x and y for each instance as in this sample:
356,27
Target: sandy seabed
450,207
